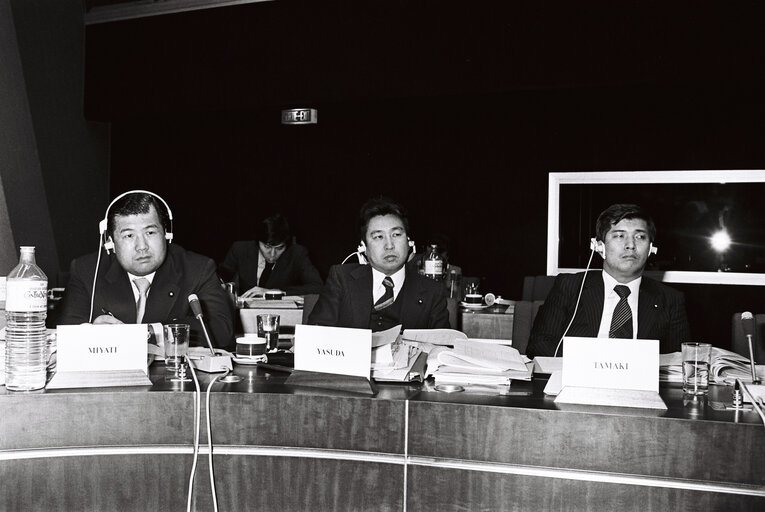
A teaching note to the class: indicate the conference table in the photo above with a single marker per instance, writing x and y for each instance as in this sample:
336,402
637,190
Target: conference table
282,447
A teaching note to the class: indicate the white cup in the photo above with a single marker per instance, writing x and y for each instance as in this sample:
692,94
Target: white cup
250,345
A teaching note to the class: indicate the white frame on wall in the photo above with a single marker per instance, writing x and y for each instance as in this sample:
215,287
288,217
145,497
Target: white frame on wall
556,179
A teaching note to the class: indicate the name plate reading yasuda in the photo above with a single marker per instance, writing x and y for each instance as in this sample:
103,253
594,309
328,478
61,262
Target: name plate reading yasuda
611,363
337,350
106,347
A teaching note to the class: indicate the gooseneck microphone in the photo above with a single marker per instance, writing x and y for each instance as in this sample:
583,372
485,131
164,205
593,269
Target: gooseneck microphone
748,326
196,308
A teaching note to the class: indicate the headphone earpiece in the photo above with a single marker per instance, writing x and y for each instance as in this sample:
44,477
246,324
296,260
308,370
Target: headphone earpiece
102,226
652,249
413,246
598,247
362,248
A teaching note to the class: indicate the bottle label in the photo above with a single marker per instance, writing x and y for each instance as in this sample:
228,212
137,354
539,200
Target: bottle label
26,296
434,267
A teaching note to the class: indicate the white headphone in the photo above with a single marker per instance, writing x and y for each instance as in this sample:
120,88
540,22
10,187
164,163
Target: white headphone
600,248
107,239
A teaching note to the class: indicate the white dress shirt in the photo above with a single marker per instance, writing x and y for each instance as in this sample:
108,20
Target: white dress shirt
378,288
612,298
132,278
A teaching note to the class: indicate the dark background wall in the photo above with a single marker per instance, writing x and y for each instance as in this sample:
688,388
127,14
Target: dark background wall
459,110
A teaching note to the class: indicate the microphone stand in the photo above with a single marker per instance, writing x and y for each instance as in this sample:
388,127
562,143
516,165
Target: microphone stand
755,380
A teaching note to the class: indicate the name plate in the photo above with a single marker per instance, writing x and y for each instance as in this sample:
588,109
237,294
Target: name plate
606,363
337,350
106,347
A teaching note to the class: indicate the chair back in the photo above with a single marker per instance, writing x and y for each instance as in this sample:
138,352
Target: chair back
536,287
739,342
525,312
309,301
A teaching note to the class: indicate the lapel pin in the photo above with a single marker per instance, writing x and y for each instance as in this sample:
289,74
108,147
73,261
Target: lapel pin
419,301
171,294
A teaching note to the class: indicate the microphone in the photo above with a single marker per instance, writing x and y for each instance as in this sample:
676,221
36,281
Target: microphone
196,308
213,363
748,326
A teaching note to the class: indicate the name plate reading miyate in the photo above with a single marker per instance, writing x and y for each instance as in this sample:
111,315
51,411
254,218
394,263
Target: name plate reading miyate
337,350
607,363
88,347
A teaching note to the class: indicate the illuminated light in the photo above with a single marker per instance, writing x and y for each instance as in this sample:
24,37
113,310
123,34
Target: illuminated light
720,241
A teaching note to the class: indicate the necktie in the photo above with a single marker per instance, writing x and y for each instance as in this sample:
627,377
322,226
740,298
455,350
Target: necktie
140,307
387,298
621,322
265,274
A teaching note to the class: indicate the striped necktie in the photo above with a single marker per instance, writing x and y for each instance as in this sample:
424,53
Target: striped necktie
387,298
621,322
140,307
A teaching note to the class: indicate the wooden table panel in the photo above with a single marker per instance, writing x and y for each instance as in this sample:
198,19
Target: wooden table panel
445,490
656,446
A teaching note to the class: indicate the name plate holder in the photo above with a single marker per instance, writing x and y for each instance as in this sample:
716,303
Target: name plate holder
335,358
90,356
611,372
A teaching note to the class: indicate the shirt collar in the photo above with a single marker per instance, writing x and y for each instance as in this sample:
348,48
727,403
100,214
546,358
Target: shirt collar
398,278
609,283
150,277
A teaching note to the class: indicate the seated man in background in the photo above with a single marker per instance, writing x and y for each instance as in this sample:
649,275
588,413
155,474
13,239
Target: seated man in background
146,279
617,302
383,293
272,262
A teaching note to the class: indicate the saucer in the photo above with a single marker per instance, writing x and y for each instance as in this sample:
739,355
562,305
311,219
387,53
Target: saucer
467,305
249,361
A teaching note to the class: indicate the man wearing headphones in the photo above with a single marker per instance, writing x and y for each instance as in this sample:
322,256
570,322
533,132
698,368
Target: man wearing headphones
382,294
146,279
618,302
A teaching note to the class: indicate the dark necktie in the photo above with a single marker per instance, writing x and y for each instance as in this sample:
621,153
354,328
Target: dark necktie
621,323
265,274
387,298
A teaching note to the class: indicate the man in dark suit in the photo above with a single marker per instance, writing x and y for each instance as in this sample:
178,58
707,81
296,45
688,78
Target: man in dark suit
270,262
617,302
146,279
383,293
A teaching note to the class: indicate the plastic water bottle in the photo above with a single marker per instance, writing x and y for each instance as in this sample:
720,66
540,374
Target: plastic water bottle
26,307
433,264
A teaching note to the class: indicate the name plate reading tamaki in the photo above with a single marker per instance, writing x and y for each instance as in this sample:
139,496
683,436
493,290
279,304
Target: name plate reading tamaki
337,350
611,363
107,347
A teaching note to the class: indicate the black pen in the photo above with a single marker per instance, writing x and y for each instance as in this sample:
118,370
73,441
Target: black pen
106,312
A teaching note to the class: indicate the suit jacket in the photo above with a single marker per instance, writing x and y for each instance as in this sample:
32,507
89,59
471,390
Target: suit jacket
181,274
293,272
661,313
346,300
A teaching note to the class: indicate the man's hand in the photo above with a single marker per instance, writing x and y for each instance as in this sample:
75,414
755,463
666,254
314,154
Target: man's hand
106,319
255,290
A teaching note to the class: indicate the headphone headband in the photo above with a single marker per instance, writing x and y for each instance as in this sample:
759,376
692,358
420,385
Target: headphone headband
102,226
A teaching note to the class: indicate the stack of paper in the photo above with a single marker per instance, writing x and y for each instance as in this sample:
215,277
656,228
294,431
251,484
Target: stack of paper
725,366
395,360
474,362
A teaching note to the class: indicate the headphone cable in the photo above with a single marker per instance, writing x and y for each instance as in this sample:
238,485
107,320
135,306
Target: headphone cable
95,278
578,298
197,422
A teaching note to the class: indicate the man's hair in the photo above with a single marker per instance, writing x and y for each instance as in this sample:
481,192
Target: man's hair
274,230
618,212
380,206
136,204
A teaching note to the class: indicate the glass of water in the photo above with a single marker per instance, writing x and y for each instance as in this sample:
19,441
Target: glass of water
696,358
